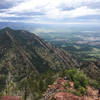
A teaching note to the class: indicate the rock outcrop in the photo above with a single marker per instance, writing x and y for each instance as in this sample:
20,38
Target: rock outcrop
10,98
60,90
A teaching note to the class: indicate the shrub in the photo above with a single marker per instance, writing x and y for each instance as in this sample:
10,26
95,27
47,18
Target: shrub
76,84
70,74
82,90
80,81
67,85
42,85
69,91
94,84
77,93
79,78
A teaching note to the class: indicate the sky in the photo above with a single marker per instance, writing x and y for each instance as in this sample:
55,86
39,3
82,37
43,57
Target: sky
51,11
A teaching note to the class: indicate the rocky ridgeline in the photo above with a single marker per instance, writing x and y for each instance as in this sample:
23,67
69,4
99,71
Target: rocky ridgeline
62,90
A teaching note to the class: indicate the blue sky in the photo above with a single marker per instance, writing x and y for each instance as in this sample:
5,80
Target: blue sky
50,11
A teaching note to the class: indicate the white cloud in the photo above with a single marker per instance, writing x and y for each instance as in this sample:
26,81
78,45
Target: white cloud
7,15
82,11
51,9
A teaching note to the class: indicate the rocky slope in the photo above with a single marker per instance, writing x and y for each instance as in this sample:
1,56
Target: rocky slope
23,54
92,69
60,91
24,57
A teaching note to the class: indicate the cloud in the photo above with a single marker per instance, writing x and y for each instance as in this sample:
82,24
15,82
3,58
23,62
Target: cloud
5,4
49,10
43,30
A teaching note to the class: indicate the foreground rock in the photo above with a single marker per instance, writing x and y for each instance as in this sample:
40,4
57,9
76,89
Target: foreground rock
66,96
10,98
60,91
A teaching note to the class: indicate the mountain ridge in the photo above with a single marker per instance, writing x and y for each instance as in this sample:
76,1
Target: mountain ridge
19,48
28,63
60,53
24,54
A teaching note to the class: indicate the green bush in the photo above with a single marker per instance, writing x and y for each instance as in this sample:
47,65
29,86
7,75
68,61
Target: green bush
82,90
70,74
76,84
94,84
80,80
69,91
42,85
67,85
77,93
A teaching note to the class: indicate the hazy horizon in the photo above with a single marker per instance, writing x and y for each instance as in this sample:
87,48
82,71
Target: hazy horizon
50,15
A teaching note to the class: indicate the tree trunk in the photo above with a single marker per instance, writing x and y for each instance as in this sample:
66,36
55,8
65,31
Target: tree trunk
25,94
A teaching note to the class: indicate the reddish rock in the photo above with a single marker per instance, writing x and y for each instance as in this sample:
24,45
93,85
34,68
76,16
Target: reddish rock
66,96
60,87
10,98
59,80
71,84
